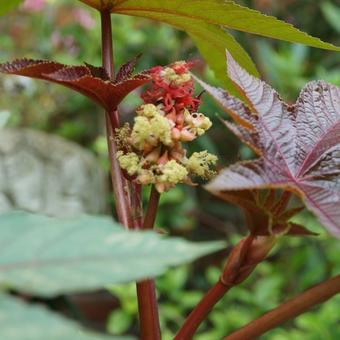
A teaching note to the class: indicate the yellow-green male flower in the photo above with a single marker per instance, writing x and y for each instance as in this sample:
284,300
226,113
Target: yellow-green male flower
199,164
152,150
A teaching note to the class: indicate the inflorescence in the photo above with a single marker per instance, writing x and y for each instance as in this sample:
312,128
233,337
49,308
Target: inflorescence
151,152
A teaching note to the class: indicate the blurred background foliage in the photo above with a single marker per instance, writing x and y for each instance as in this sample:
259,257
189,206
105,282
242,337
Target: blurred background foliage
69,32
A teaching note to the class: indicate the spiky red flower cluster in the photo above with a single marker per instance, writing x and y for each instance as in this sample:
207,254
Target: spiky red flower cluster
175,96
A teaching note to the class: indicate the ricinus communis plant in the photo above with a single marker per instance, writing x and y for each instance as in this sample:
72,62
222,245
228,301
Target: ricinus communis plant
298,144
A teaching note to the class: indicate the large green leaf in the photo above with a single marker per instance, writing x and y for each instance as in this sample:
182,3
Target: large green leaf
212,42
48,256
218,12
204,20
21,321
6,5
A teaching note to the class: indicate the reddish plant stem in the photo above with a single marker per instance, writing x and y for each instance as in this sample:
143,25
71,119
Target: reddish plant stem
241,262
201,311
151,212
137,205
146,292
148,310
119,183
147,301
288,310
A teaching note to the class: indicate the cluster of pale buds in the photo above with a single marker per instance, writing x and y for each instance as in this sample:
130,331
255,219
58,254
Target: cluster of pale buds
152,150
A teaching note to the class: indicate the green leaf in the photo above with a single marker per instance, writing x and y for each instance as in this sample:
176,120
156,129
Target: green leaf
19,321
219,12
48,256
6,6
203,21
211,42
119,322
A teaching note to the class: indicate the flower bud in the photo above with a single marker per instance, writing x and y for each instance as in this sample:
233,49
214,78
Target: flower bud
244,258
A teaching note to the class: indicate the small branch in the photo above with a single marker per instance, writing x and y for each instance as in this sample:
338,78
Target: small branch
241,262
288,310
146,292
119,183
137,205
151,213
201,311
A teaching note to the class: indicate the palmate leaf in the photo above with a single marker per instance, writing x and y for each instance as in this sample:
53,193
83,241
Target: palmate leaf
299,146
88,80
47,256
22,321
204,21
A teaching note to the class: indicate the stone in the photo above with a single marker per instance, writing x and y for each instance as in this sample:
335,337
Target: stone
44,173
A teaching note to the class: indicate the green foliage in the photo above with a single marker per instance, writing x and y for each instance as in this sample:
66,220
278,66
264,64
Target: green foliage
19,321
56,34
305,262
123,318
91,252
176,301
202,21
6,6
289,67
332,14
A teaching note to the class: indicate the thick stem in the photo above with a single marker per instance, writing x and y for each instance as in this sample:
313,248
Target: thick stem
146,292
201,311
288,310
147,301
119,183
148,310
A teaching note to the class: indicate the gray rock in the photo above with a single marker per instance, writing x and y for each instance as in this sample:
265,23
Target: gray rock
47,174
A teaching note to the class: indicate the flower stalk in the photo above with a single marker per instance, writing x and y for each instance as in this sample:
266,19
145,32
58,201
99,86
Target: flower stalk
146,290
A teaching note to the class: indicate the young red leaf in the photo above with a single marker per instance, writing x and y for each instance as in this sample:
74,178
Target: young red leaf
265,219
88,80
126,70
98,71
299,145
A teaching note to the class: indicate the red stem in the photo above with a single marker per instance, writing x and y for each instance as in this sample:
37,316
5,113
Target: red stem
119,183
151,212
240,263
201,311
146,292
288,310
147,301
148,309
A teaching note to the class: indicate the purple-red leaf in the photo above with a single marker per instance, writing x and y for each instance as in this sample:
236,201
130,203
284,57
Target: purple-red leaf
98,71
299,146
126,70
266,215
88,80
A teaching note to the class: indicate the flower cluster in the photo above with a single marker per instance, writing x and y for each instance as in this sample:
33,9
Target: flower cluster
151,152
